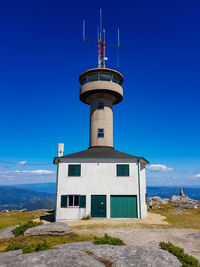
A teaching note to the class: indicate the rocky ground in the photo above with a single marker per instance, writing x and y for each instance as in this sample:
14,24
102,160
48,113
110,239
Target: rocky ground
133,232
87,254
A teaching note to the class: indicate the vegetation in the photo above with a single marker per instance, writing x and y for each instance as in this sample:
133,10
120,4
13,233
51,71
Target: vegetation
105,262
14,217
19,242
86,218
23,227
109,240
36,247
178,217
184,258
29,248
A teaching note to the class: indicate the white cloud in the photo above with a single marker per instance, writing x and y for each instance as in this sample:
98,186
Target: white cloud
159,168
197,175
34,172
22,162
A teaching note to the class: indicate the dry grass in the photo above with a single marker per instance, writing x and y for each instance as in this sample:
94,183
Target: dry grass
51,240
14,217
179,218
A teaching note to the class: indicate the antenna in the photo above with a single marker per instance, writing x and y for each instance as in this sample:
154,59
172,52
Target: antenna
101,43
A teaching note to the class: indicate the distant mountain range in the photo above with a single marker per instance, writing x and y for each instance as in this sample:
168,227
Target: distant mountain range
42,195
12,197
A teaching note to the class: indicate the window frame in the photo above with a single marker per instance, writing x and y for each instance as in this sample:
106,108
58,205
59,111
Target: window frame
118,174
100,134
73,201
74,175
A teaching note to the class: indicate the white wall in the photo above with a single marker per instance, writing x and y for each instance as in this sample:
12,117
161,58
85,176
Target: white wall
97,179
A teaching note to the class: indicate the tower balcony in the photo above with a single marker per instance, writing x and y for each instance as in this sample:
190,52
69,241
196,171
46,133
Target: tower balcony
103,82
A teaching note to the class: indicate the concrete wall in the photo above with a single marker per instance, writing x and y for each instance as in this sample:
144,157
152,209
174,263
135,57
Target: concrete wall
101,119
97,179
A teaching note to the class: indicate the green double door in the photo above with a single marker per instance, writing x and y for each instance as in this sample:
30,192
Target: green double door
123,206
98,206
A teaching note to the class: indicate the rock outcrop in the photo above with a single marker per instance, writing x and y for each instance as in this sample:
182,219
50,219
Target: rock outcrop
7,232
184,202
49,229
76,254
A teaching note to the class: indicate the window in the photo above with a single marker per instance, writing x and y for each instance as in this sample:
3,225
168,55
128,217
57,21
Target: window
100,105
93,77
122,170
73,201
100,133
74,170
115,79
105,77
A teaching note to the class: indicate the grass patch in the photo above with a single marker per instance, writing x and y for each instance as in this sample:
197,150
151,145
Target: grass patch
14,217
104,261
18,242
109,240
37,247
185,259
23,227
179,218
29,248
86,218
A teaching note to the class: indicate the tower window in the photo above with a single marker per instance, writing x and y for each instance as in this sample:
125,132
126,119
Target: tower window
100,133
100,105
105,77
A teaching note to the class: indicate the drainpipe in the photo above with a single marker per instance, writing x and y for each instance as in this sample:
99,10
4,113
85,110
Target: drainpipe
139,187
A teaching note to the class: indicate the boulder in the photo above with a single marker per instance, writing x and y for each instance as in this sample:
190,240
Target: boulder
75,254
56,228
158,200
7,232
184,202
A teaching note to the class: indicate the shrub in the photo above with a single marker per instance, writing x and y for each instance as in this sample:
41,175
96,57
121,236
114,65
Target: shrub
14,246
36,247
109,240
86,218
23,227
184,258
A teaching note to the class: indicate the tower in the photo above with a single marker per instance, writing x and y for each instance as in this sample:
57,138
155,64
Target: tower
101,89
100,181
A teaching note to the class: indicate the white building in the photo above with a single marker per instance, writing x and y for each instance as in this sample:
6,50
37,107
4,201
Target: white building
100,181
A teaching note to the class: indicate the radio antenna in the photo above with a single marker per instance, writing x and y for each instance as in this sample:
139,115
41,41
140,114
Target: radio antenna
101,43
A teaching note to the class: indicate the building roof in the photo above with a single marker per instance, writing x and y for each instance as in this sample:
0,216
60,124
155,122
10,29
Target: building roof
100,152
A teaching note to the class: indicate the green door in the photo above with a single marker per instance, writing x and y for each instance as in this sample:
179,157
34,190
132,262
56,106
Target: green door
98,206
123,206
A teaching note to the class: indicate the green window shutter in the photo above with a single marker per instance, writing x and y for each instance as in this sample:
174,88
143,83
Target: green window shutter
122,170
82,203
74,170
64,201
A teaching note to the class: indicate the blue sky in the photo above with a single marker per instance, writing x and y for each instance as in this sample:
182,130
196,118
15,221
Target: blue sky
42,56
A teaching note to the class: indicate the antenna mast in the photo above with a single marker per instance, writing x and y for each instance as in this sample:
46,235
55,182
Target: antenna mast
101,43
